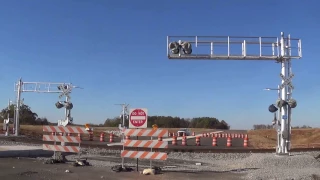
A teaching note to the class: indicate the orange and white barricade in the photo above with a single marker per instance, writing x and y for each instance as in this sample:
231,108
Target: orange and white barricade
153,144
65,139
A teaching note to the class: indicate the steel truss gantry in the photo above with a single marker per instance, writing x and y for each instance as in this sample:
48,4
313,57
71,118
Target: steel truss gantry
64,89
281,50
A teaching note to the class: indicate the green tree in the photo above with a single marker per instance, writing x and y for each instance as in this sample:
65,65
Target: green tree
27,116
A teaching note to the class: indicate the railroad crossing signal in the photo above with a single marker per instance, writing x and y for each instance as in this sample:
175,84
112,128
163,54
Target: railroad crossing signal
287,81
279,49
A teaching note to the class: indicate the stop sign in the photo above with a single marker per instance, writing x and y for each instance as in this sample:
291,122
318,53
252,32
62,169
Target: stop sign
138,118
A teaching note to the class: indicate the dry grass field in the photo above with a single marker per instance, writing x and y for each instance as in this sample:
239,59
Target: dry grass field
301,138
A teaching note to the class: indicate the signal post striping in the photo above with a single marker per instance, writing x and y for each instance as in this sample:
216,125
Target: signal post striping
146,143
146,132
144,155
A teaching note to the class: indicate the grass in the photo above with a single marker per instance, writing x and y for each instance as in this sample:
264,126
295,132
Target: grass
300,138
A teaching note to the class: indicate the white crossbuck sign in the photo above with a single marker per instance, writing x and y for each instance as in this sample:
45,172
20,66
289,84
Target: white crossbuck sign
287,81
65,91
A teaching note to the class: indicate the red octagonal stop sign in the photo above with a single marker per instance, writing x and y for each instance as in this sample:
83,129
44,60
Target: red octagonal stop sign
138,118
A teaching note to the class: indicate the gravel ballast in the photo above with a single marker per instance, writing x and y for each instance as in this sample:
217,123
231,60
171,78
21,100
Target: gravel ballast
302,165
263,166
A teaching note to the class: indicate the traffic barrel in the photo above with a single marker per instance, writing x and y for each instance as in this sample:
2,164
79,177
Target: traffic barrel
184,141
159,138
229,143
198,141
214,141
102,137
174,140
245,142
111,137
90,135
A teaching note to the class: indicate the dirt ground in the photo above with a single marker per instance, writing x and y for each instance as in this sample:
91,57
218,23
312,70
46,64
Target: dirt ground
31,169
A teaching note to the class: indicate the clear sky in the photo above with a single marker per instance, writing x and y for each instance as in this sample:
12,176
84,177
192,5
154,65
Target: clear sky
116,51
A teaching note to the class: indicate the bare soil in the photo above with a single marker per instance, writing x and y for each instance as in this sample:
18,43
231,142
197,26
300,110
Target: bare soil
31,169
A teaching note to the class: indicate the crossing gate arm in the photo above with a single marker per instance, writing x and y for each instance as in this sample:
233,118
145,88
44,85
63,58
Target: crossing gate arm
144,155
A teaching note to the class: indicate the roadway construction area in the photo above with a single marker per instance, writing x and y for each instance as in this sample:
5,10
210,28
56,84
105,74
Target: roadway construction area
219,155
179,165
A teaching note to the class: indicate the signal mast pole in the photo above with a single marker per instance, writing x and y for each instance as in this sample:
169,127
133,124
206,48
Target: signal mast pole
124,112
278,49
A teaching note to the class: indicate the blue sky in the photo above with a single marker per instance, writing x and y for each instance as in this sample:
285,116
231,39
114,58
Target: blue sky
116,51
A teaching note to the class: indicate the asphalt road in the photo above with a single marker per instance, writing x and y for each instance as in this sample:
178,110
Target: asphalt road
32,169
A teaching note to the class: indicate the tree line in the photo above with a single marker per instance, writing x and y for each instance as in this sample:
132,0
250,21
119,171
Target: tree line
267,126
175,122
28,117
